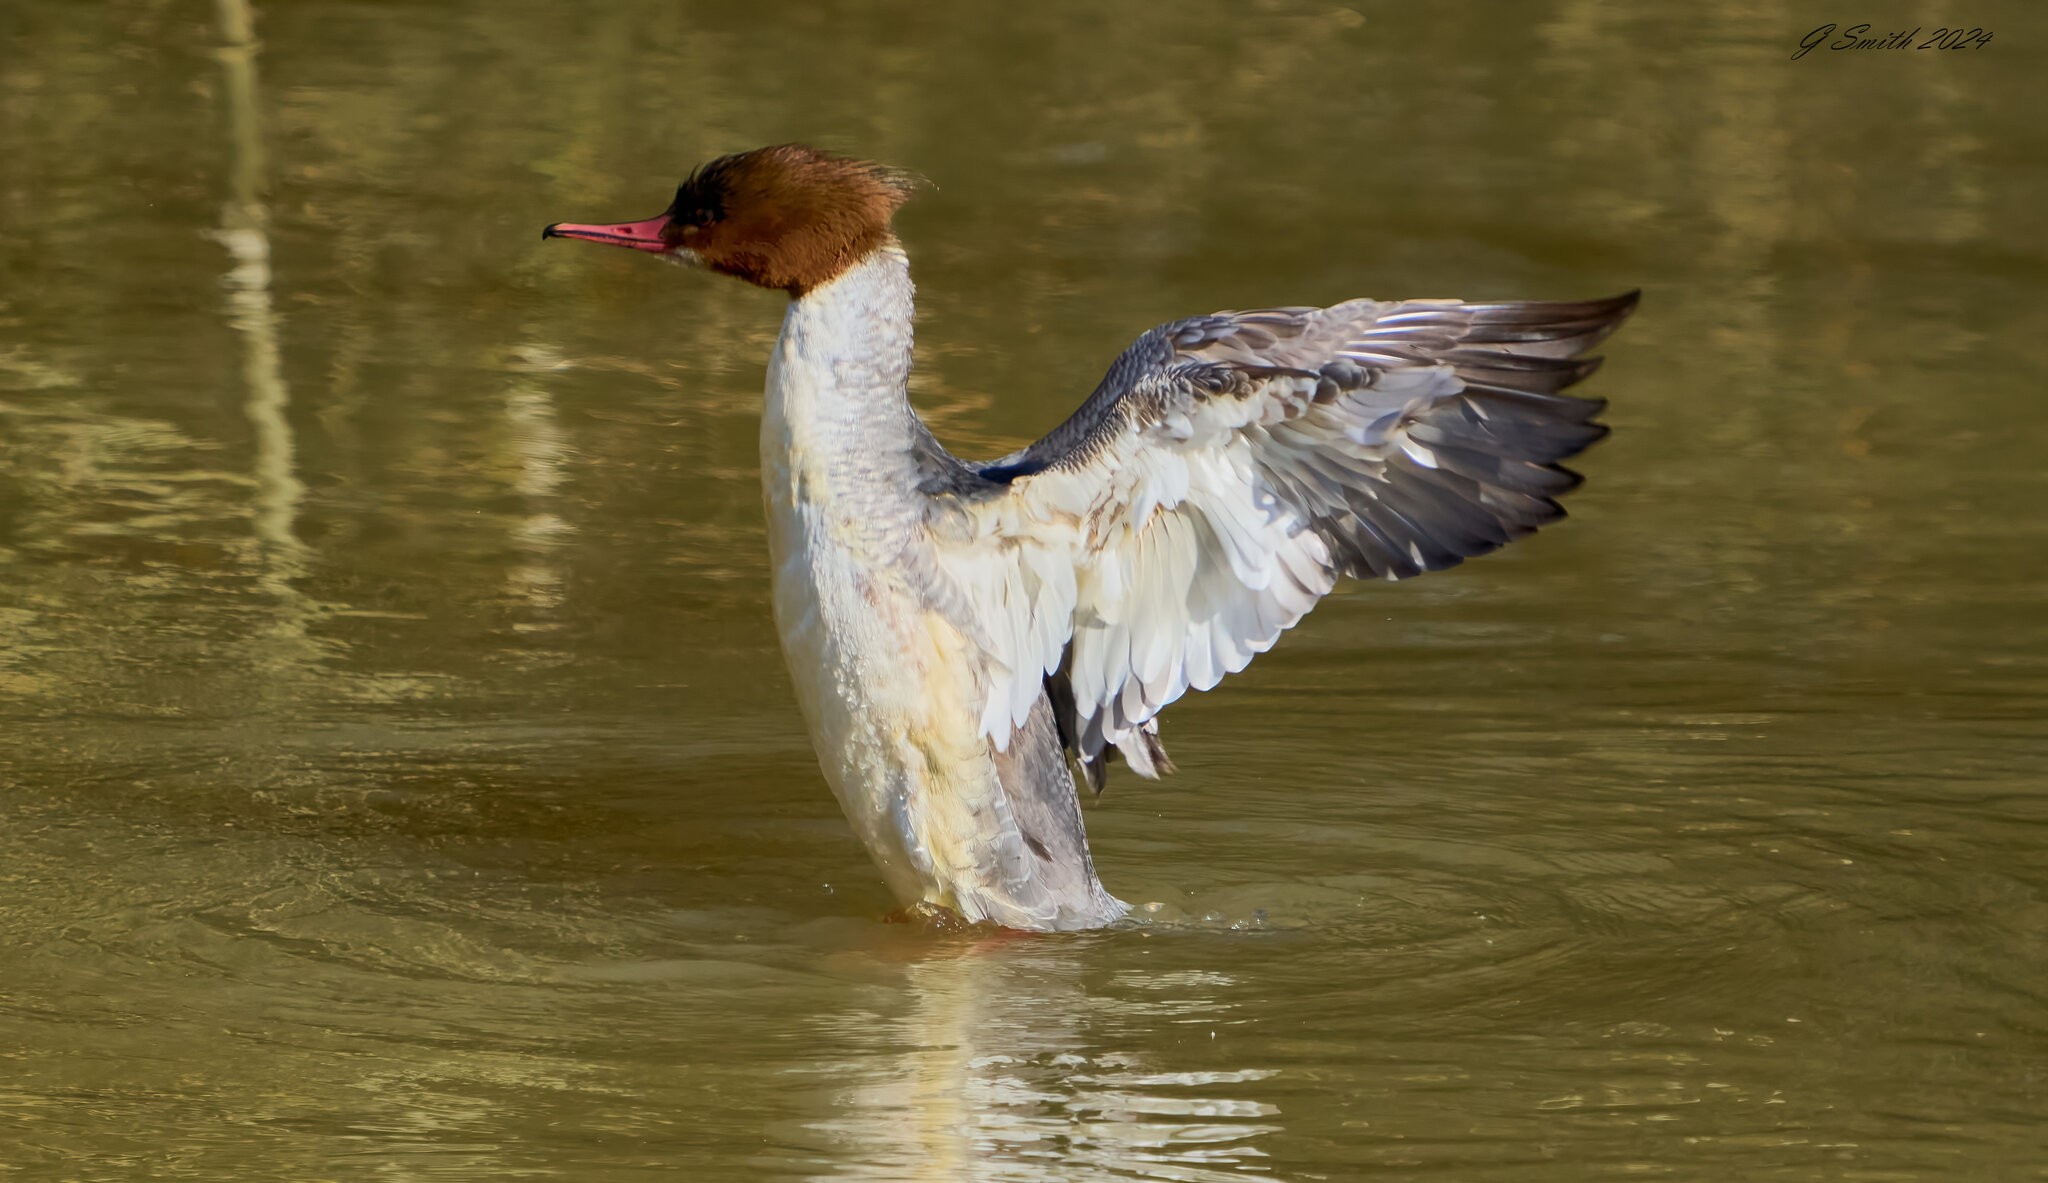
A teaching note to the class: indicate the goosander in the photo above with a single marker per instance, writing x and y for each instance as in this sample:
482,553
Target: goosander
957,631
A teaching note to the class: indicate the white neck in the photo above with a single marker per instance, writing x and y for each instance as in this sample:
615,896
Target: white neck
838,431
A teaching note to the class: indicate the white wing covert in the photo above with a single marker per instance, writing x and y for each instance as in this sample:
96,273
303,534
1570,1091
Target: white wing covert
1229,470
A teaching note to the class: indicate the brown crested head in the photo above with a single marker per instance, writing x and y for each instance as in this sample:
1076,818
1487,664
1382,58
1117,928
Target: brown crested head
788,217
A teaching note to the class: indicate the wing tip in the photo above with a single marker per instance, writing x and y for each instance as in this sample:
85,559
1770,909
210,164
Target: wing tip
1560,329
1611,313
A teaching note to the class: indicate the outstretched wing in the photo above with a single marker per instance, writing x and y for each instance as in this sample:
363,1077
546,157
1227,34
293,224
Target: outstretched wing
1230,469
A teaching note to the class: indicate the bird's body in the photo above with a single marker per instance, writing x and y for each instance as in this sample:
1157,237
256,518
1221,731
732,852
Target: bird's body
957,631
890,684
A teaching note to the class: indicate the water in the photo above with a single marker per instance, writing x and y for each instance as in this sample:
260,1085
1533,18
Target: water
400,780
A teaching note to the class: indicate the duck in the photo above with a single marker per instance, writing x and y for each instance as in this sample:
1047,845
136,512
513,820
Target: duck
963,636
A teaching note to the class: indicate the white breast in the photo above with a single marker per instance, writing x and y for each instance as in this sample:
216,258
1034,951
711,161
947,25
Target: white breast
891,688
869,662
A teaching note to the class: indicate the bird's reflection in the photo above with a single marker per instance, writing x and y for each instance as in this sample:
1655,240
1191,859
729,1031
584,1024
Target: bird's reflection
1013,1061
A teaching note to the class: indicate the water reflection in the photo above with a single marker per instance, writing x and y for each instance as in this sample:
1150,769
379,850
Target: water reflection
541,450
282,644
1007,1065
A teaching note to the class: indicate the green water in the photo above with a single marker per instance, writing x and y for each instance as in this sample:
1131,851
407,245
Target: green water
398,778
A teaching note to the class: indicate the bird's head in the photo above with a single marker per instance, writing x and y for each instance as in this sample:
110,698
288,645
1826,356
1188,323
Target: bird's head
788,217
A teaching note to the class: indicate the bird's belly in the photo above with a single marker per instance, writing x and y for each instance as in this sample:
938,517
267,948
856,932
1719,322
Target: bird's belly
883,685
893,693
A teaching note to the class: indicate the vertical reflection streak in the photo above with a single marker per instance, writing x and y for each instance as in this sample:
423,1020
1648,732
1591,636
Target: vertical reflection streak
252,313
542,454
